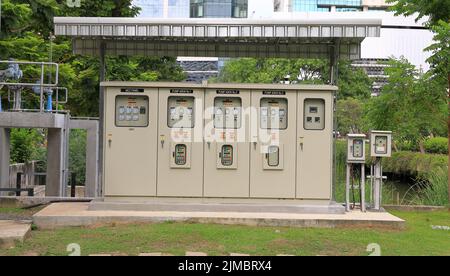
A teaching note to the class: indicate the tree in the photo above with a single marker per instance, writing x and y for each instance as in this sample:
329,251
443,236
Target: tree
412,105
438,12
353,82
25,144
25,35
349,114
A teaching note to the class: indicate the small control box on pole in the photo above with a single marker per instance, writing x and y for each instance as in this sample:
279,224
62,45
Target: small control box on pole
356,154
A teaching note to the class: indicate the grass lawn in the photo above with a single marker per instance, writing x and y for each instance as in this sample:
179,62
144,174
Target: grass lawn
176,238
13,213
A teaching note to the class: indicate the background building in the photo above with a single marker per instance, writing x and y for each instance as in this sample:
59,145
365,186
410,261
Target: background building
400,36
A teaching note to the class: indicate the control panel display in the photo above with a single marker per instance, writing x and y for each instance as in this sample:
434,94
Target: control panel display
274,113
180,112
227,155
314,117
381,144
132,111
180,155
273,156
358,148
227,113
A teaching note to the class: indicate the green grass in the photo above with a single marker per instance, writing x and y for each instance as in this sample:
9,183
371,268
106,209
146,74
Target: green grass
176,238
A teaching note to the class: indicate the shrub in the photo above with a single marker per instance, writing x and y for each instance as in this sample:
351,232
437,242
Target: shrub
437,145
432,191
413,163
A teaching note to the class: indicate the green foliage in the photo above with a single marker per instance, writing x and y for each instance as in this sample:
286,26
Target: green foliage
440,50
77,154
274,70
15,17
406,146
25,36
353,82
431,191
349,114
25,144
437,145
412,105
413,163
435,9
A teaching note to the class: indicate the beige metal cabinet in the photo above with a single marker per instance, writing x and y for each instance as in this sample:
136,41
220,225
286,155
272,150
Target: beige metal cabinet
273,144
220,142
180,153
131,119
227,150
314,153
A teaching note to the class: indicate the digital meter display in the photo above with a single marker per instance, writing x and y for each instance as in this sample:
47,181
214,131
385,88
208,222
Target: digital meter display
227,155
228,113
274,113
381,144
273,156
358,148
132,111
180,113
180,155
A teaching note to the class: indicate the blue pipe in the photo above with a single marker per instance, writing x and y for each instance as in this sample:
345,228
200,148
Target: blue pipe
0,103
49,101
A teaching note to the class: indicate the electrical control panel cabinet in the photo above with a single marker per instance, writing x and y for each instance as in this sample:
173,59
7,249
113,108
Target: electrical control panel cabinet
130,141
380,143
180,149
356,148
273,144
227,156
221,142
314,145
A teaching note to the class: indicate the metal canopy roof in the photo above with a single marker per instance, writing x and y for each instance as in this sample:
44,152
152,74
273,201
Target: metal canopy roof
306,38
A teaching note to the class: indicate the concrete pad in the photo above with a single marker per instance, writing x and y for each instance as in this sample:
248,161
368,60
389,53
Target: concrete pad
239,255
157,205
150,255
196,254
77,215
13,231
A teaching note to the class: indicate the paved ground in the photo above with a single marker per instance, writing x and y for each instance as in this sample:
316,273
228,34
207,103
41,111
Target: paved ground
13,231
77,214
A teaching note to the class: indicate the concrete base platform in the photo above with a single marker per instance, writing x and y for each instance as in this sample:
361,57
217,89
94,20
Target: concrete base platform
78,214
167,206
13,231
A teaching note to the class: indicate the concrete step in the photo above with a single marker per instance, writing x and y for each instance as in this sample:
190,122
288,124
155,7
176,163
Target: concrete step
158,206
13,231
60,215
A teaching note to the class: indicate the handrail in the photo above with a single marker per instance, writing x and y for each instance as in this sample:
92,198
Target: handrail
41,83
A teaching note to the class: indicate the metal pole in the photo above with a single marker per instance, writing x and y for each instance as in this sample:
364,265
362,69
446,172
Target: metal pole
371,184
347,189
377,187
41,102
101,108
334,73
73,183
363,187
18,183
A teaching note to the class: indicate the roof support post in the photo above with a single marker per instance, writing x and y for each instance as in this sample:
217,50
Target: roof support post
101,111
334,74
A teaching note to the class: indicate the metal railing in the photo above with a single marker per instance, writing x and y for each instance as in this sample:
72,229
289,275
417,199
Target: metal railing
41,84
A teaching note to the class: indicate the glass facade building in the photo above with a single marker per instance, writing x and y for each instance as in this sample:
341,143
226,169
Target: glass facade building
325,5
219,9
150,8
178,9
